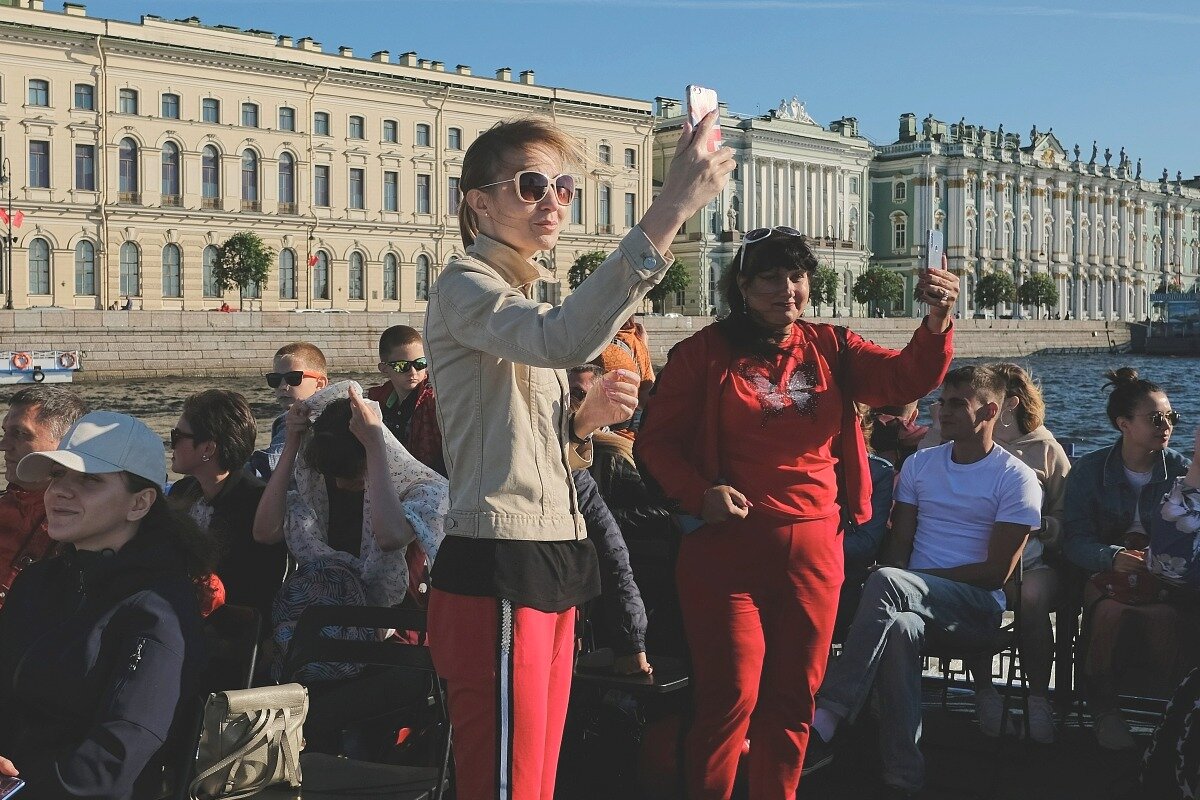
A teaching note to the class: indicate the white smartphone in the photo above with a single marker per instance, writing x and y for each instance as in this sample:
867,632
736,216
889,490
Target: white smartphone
700,103
933,249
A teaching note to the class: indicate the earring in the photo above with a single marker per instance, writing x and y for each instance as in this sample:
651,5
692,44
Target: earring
204,458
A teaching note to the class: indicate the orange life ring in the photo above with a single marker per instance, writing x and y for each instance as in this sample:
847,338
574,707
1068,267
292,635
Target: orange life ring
67,360
22,361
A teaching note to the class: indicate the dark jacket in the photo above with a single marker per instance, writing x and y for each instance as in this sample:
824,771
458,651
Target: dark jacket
619,593
97,653
1099,504
252,572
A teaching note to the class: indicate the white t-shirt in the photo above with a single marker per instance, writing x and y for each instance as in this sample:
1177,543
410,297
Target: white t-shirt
957,504
1139,481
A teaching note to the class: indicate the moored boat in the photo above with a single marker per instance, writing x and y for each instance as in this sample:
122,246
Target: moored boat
39,366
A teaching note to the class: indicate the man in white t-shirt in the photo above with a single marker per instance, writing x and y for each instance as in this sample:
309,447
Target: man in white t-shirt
963,511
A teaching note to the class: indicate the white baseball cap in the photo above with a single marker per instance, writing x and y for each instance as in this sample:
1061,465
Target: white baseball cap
102,442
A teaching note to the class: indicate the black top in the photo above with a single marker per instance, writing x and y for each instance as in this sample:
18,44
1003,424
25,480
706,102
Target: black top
97,653
345,518
251,572
398,416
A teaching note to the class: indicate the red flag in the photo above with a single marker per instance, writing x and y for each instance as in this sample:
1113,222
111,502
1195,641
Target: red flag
17,218
3,217
312,260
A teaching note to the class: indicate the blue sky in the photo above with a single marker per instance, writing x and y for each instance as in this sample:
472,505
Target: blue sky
1118,71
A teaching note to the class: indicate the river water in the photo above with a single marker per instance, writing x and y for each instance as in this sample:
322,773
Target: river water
1071,384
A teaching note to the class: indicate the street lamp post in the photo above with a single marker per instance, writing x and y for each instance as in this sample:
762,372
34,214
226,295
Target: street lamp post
7,272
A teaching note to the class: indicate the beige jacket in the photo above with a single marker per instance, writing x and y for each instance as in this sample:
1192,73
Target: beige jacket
1042,453
496,359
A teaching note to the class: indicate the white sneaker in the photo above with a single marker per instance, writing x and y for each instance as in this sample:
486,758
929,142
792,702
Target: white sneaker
1112,732
1041,720
988,707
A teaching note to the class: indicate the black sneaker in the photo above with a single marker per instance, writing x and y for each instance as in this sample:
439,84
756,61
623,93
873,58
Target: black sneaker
818,754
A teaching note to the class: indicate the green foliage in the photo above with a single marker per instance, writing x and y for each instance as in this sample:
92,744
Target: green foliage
1038,290
678,278
993,289
243,260
879,286
823,286
584,265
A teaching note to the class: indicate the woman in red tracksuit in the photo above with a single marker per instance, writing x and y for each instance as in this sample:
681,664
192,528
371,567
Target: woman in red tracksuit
749,427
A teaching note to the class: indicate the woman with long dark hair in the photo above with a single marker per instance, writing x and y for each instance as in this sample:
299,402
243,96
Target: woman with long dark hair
753,433
100,645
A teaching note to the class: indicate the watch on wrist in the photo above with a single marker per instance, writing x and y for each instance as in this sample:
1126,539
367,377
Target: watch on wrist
575,438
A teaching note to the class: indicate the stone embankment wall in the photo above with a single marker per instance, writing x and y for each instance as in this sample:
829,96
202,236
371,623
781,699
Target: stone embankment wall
134,344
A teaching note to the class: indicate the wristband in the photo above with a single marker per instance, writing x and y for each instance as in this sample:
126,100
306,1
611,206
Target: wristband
575,439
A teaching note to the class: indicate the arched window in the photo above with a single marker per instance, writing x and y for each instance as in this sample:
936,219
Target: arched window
321,276
287,274
172,271
356,276
131,270
170,174
128,172
250,180
207,258
85,268
39,267
210,173
287,180
422,292
390,273
604,154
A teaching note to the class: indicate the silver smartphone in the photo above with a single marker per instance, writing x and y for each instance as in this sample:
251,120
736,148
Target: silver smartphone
9,786
934,249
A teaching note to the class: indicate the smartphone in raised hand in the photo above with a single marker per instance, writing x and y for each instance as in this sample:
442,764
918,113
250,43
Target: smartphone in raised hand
934,249
700,103
9,786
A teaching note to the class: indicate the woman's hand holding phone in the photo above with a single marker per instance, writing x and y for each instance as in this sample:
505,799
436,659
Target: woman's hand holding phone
939,289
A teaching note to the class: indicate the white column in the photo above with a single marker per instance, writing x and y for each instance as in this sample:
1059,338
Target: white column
749,200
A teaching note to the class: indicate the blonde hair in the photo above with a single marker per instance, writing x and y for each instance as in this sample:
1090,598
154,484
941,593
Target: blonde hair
1031,412
491,155
309,355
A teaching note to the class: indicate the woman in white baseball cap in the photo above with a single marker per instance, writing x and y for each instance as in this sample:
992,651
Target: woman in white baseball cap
99,646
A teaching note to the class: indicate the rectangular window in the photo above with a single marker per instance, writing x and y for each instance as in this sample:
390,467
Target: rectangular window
39,92
630,158
900,235
630,210
357,128
391,191
85,97
170,106
287,119
127,101
453,196
39,165
454,139
85,167
577,208
321,186
424,186
605,201
356,188
210,110
321,123
422,135
853,185
249,115
391,131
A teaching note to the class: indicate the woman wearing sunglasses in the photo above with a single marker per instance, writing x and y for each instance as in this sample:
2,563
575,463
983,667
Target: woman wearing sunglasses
1112,496
210,443
516,559
752,431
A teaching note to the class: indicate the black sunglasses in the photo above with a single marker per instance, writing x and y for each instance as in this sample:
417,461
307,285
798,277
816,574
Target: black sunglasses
579,394
294,377
177,434
1158,418
403,366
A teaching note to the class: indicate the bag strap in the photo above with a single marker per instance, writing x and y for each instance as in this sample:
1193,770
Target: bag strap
264,725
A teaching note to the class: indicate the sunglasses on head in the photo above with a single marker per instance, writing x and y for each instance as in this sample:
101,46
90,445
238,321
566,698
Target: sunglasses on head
294,377
533,185
403,366
177,434
1163,419
758,234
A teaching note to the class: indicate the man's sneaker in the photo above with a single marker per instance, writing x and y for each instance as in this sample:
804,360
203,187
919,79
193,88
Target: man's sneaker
818,754
1112,732
1041,720
989,706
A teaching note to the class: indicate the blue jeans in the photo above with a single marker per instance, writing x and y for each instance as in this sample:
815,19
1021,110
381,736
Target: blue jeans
883,650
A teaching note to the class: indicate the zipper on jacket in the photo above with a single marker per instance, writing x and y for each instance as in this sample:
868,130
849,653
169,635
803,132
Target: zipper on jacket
135,659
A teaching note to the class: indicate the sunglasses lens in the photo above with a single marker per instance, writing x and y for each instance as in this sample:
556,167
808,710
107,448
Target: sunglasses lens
756,234
419,364
788,230
294,377
564,186
274,379
532,186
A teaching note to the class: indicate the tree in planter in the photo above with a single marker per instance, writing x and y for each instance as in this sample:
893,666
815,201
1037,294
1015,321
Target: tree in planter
677,279
584,265
993,289
1038,290
823,286
879,286
243,260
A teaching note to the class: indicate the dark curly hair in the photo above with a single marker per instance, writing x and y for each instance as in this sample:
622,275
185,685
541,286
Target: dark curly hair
1127,391
334,451
745,336
199,548
225,419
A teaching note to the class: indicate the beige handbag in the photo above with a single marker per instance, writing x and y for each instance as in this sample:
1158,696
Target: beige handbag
251,739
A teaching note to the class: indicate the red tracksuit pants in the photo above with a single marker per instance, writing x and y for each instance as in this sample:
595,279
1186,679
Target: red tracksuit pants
759,599
508,674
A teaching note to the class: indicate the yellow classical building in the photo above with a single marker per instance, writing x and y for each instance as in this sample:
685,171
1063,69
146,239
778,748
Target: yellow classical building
133,149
